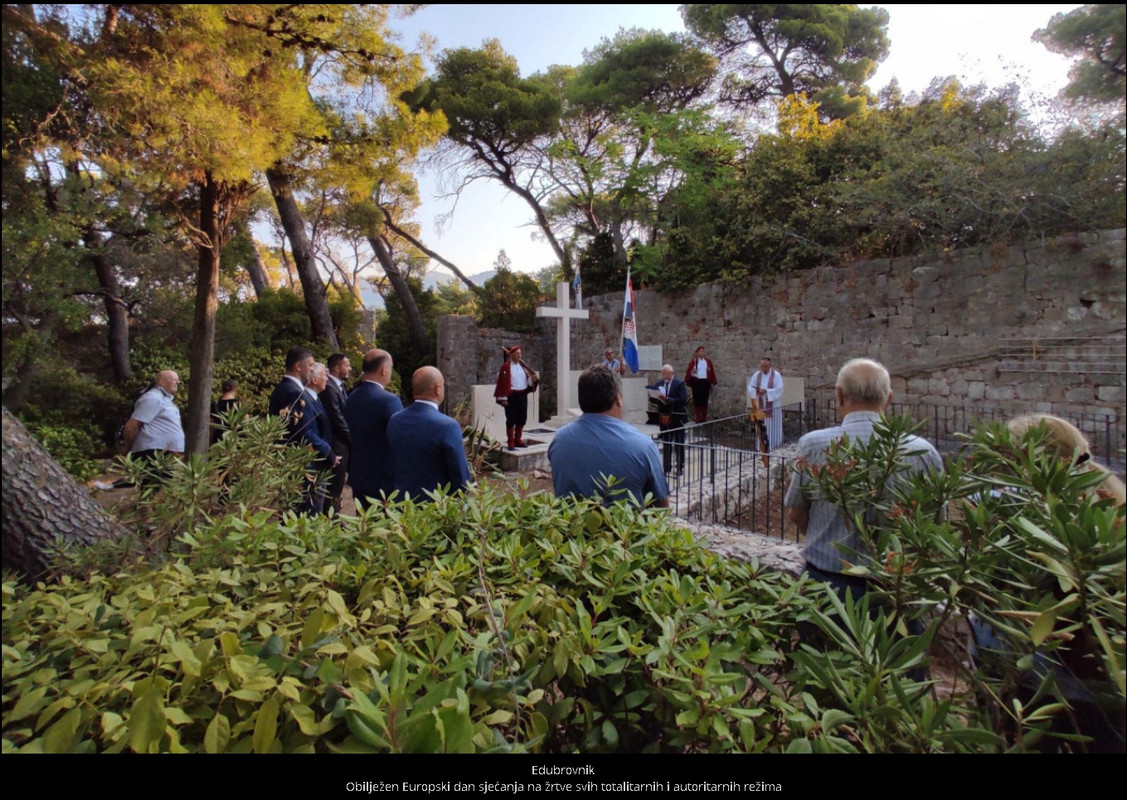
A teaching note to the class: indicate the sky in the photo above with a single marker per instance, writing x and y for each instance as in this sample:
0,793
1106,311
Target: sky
985,43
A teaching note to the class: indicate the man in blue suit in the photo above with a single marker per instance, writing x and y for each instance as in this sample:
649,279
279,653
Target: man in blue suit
427,444
299,409
287,399
367,411
671,398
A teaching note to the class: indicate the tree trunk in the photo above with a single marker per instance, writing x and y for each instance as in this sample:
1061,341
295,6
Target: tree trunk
391,226
43,505
316,303
415,324
117,315
256,267
202,354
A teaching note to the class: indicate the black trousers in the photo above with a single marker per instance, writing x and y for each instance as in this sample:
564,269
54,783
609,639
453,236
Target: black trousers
673,437
701,389
516,411
337,477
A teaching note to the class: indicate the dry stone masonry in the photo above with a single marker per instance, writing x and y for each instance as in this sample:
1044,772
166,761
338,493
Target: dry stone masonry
1032,327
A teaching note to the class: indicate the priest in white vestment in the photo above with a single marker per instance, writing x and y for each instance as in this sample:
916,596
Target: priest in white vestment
766,386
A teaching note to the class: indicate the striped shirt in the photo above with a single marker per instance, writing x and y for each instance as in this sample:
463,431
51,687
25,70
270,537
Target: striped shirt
827,535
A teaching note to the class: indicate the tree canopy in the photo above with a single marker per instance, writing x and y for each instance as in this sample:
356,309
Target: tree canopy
826,51
1097,34
138,142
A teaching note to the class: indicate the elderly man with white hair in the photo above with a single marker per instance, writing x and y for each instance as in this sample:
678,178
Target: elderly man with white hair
671,394
863,391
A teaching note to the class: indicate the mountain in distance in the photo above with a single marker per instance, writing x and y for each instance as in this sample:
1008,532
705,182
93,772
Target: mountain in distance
432,280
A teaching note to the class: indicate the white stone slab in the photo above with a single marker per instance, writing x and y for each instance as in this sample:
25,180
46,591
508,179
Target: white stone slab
573,390
634,399
650,357
794,390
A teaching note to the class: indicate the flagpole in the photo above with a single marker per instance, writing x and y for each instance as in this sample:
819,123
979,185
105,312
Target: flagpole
622,331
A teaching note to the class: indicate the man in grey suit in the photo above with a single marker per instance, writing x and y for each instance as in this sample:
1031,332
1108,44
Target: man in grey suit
367,410
427,444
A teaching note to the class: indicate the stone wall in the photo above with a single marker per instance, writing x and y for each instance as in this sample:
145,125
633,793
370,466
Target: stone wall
1038,326
469,355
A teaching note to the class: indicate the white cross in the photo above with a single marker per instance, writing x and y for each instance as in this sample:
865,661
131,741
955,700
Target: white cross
563,314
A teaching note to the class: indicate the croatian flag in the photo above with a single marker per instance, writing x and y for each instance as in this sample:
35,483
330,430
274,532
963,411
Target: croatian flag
577,287
629,331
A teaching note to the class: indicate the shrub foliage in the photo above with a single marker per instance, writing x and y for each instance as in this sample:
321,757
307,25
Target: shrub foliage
492,622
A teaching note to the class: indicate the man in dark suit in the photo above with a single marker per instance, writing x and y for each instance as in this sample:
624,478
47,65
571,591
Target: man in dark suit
286,399
333,398
291,402
427,444
672,395
371,472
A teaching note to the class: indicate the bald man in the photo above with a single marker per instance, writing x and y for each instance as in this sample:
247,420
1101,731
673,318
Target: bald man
154,426
863,392
425,443
367,410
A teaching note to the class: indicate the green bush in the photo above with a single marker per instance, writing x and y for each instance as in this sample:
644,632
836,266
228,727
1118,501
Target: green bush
509,301
73,448
1011,537
64,399
499,623
489,623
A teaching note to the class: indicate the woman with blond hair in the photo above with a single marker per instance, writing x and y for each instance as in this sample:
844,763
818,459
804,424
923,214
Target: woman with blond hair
1066,441
1093,706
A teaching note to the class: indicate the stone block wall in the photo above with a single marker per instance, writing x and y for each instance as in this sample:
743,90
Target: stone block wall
469,355
1000,326
952,329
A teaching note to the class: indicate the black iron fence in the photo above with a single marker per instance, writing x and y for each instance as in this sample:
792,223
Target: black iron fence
717,475
723,479
943,423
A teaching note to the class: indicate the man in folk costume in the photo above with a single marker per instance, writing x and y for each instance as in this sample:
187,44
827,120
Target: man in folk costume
700,377
515,382
765,387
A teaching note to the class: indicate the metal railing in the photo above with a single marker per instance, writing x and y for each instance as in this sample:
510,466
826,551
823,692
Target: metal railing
1099,355
943,423
726,481
717,476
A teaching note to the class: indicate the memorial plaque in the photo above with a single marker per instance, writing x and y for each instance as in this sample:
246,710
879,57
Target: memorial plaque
649,357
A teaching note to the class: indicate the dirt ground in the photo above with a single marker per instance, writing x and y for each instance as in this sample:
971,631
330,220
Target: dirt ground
521,484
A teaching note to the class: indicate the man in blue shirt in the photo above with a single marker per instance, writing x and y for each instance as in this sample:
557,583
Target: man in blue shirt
586,453
154,427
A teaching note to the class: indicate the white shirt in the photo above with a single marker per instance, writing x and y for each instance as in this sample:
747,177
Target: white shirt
518,378
702,369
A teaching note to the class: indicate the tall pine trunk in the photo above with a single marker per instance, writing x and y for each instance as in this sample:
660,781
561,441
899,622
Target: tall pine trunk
415,326
202,355
256,267
117,316
316,303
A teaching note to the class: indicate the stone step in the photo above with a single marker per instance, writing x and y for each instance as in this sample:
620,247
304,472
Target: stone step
524,459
